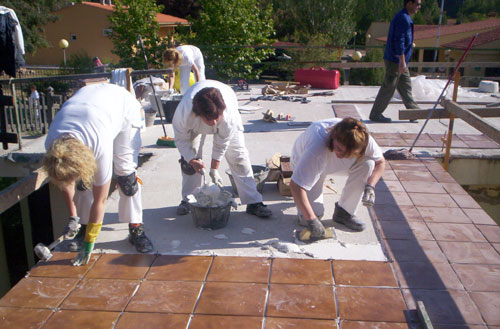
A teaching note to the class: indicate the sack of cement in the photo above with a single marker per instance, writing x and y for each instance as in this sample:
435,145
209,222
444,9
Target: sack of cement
487,86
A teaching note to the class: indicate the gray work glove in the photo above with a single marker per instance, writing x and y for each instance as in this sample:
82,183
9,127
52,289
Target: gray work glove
72,227
317,229
216,179
369,196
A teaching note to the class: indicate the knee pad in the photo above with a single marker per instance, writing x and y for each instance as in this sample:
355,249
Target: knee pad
80,186
186,167
128,184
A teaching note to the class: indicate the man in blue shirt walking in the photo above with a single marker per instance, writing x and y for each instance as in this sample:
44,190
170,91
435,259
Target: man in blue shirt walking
396,57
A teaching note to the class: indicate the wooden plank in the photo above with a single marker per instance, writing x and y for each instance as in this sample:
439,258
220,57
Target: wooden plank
473,119
424,317
488,112
21,189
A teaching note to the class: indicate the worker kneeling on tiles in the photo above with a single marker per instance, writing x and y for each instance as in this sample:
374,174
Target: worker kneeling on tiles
95,130
211,107
334,146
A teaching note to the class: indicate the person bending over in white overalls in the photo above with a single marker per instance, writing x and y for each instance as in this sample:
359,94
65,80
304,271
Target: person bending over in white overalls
96,131
334,146
187,58
211,107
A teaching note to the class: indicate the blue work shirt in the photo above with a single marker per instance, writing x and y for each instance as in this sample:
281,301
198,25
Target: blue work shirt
400,37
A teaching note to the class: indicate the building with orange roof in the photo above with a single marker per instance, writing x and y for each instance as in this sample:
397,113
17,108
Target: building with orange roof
86,27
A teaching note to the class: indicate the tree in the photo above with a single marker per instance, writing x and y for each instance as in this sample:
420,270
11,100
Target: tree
233,34
181,8
130,19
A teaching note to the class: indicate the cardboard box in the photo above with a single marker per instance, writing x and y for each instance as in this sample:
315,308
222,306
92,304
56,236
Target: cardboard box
284,186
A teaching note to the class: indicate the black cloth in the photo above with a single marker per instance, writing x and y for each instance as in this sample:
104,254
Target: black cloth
10,57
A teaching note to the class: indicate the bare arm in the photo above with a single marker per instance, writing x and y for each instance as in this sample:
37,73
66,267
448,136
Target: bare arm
99,205
194,68
302,201
171,79
214,164
378,171
68,193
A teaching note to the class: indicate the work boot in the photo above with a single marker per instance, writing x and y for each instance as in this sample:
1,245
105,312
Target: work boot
343,217
183,208
259,209
138,238
76,243
317,229
380,118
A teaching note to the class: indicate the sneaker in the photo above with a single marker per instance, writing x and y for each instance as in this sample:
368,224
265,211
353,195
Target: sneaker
138,238
259,209
183,208
76,243
343,217
380,118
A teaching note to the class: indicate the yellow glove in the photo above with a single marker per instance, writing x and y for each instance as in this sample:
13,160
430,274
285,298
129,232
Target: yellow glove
91,235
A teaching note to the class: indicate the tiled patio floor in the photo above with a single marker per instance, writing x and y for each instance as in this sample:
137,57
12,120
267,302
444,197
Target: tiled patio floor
443,249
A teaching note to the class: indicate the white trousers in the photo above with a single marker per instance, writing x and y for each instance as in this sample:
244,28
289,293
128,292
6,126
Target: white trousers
241,169
185,73
126,148
352,193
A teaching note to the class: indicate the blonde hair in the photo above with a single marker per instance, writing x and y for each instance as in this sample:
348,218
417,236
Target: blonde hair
68,160
352,134
172,56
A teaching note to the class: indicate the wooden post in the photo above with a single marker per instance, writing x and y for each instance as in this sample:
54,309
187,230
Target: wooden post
129,79
450,126
16,111
28,242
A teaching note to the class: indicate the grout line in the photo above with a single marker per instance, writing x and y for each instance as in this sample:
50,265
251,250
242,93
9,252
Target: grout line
201,291
268,292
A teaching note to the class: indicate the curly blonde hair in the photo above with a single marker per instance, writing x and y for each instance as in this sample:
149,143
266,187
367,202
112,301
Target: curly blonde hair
68,160
172,57
352,134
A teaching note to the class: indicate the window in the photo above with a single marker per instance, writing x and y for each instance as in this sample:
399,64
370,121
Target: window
73,37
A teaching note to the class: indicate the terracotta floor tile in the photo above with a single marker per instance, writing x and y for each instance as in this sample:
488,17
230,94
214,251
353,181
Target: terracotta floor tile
363,273
165,297
395,213
100,295
386,135
415,251
389,185
410,166
465,201
473,137
389,175
82,319
38,292
412,136
179,268
482,144
453,188
405,230
240,269
301,301
121,266
479,216
372,325
23,318
443,215
456,232
479,277
152,321
496,246
229,298
488,304
301,271
455,140
219,322
432,200
423,187
61,266
392,142
416,176
392,198
446,307
424,143
470,252
443,177
434,167
426,275
358,304
281,323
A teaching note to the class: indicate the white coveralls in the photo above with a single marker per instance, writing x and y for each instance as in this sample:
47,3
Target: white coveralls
228,141
190,55
106,118
312,161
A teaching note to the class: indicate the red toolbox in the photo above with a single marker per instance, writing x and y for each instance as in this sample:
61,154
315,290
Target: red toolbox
318,77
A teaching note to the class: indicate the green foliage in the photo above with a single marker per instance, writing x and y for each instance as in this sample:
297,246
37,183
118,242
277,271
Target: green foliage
368,77
228,33
78,63
473,10
180,8
130,19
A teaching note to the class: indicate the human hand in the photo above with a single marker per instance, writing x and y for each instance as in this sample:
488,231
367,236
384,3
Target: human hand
198,165
216,179
369,196
83,256
402,67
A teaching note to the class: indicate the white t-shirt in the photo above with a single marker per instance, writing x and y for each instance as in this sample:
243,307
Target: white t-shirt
95,115
311,157
189,55
187,125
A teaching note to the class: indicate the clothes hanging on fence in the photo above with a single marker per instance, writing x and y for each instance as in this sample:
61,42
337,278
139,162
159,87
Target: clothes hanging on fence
11,42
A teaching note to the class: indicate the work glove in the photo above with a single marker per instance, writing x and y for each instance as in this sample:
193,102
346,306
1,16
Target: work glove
72,227
216,179
369,196
316,227
83,256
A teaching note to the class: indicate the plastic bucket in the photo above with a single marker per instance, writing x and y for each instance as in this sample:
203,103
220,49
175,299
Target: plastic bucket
150,118
260,174
210,217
